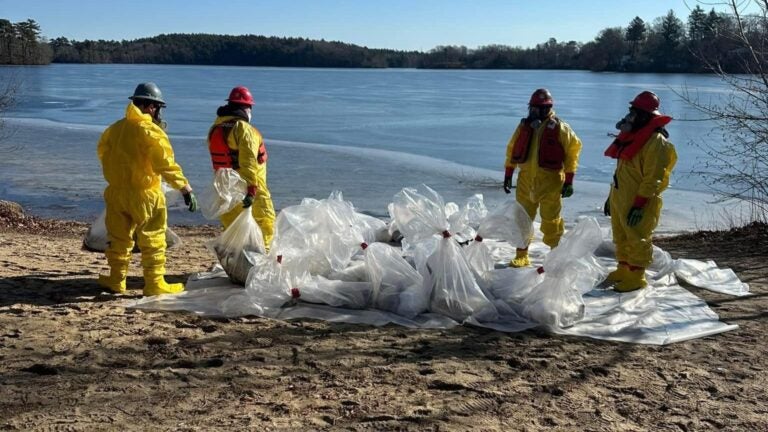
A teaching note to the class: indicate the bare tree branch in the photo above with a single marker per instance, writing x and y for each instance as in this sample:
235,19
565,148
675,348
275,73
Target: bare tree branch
736,162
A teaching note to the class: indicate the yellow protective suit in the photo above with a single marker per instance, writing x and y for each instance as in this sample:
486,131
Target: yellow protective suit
135,155
540,188
247,140
645,175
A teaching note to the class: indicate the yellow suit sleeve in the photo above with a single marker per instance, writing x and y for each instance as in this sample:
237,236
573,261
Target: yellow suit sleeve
572,146
658,157
248,141
101,149
510,146
161,157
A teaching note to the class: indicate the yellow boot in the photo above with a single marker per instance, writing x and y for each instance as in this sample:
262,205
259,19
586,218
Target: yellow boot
621,273
115,282
521,259
634,280
157,285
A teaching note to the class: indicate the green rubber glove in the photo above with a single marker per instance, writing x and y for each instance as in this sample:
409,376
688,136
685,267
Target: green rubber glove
190,200
634,216
567,190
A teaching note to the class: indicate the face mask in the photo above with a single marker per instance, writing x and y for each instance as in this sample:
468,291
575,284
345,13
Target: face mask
158,118
249,115
625,124
536,115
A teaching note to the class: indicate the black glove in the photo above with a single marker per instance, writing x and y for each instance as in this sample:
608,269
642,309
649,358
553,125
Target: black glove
190,200
508,179
634,216
607,207
567,191
248,200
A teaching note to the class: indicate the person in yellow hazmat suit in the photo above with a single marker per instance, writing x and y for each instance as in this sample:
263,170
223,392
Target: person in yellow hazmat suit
234,143
644,161
136,156
546,150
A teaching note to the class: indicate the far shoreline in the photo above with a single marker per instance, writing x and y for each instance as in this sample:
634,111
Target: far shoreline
363,68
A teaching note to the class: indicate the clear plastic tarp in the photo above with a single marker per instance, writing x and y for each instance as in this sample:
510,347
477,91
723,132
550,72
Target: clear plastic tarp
325,263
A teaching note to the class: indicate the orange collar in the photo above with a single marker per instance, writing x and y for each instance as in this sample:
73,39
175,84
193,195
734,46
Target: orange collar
628,144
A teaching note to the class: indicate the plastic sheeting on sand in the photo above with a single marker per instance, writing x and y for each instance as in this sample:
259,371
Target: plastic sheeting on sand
565,298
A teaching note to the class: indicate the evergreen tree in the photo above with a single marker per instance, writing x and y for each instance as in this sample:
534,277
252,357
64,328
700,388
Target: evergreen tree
635,37
697,25
664,45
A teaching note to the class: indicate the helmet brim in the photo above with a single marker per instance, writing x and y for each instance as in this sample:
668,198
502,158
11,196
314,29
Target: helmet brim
161,102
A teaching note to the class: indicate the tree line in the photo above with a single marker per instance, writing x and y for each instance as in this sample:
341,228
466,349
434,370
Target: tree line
22,44
665,45
703,43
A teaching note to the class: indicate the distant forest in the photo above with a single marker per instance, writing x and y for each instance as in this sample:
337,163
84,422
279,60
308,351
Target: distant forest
21,43
665,45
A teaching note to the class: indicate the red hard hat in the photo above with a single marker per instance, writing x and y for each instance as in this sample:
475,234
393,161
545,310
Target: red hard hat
647,101
541,97
240,95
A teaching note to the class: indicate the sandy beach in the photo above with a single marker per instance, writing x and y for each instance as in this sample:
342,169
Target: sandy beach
72,358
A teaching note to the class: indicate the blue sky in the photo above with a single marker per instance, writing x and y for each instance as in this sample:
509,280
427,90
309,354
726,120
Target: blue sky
398,24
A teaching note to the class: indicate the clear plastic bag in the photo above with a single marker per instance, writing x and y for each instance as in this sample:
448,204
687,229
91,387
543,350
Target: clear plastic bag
508,222
513,285
226,191
481,262
465,220
397,286
244,235
420,214
373,229
327,231
476,210
341,234
336,293
570,271
455,292
356,271
274,281
174,200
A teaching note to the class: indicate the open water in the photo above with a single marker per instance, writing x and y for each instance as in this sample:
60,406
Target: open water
368,133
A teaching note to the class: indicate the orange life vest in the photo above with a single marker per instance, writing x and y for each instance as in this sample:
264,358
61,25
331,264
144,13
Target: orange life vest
628,144
551,151
222,156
